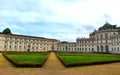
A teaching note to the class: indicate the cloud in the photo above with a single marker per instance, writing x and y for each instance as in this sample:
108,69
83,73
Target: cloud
62,19
14,28
62,36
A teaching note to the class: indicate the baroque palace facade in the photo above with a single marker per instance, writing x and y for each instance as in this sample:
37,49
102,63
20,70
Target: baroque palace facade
104,40
13,42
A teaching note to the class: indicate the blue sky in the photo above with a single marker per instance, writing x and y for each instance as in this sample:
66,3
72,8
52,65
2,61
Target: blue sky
58,19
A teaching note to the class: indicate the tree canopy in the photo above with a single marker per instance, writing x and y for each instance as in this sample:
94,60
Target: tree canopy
64,42
6,31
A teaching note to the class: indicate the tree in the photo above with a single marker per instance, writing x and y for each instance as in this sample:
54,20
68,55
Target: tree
64,42
7,31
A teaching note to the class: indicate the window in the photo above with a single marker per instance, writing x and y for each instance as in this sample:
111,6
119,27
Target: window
5,41
10,42
113,33
82,48
5,46
10,46
78,49
89,49
36,47
19,47
75,49
15,47
97,36
32,47
98,48
106,36
101,36
106,41
117,43
117,49
102,48
85,49
92,49
112,49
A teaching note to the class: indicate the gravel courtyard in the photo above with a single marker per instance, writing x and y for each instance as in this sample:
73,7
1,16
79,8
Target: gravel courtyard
54,67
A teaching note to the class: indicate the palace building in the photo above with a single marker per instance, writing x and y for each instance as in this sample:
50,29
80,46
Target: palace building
13,42
104,40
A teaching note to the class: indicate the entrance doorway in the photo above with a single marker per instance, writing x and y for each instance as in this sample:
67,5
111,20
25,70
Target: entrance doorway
107,48
28,49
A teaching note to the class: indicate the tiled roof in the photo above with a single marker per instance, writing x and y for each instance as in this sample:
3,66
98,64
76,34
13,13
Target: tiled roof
27,36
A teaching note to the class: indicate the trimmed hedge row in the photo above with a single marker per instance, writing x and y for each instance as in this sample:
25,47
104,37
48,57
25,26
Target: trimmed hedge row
25,65
61,60
18,52
84,64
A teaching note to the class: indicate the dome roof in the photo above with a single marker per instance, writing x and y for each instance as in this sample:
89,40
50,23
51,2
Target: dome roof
107,26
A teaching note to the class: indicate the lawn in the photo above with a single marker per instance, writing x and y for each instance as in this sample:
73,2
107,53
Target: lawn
87,58
26,58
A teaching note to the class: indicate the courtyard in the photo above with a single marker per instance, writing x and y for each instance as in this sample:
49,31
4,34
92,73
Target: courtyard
53,66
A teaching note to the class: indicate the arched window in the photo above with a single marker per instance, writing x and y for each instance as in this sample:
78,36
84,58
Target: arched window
98,48
107,48
92,49
101,48
85,49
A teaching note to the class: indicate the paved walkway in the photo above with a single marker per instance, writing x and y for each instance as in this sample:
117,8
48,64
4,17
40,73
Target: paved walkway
3,62
53,62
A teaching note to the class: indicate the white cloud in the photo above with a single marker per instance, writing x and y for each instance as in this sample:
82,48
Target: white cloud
77,13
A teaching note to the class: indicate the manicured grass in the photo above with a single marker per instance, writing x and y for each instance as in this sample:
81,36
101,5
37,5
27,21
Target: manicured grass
86,58
25,58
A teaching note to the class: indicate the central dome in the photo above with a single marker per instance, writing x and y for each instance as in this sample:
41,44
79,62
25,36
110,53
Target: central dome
107,26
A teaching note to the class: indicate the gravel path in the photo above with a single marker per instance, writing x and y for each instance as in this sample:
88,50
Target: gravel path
3,62
53,63
54,67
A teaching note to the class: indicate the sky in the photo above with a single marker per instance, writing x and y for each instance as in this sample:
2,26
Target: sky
64,20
